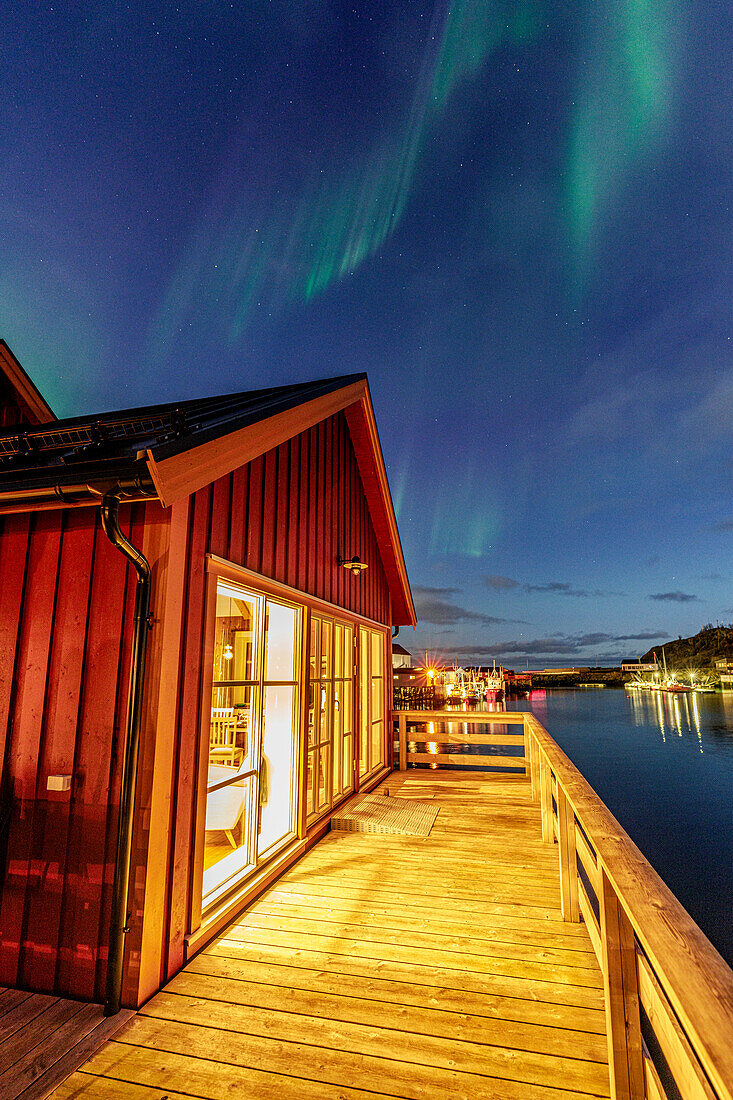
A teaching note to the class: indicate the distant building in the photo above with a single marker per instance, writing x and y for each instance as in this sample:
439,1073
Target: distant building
724,668
637,666
401,658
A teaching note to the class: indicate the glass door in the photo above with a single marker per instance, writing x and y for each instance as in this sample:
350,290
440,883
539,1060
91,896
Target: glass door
320,718
278,776
343,715
251,790
371,701
330,773
234,739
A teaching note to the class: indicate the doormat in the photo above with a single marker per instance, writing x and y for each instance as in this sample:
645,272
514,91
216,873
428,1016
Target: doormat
374,813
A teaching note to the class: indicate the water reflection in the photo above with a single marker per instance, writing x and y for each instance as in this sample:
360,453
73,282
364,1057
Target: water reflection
671,713
663,764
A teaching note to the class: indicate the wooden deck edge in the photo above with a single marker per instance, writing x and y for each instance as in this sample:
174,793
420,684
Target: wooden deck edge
69,1061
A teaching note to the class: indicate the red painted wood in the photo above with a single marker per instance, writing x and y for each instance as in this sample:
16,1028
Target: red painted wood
338,594
282,522
238,516
312,520
287,514
22,875
132,521
221,506
317,534
292,564
254,518
58,751
187,758
13,551
269,514
304,516
328,513
79,939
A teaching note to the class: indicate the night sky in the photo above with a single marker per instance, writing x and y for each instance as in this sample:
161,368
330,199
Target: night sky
514,216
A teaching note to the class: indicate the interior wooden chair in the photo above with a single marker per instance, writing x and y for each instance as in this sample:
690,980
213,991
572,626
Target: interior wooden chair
223,747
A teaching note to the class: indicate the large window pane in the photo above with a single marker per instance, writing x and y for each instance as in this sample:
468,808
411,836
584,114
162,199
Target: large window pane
252,750
331,709
323,791
230,811
364,685
280,647
277,768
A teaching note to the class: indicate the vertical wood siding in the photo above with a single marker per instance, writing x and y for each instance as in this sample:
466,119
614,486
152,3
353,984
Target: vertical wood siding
13,409
65,615
287,515
66,608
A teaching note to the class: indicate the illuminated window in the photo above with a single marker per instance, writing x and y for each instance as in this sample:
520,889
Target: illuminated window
251,792
330,772
372,647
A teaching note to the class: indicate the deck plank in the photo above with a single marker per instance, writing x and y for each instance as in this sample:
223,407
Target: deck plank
382,965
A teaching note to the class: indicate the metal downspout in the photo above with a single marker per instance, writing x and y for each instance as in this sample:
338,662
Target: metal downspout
118,922
395,631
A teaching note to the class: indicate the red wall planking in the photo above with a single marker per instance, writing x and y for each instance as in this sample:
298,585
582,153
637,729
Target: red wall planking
295,529
13,409
56,842
66,609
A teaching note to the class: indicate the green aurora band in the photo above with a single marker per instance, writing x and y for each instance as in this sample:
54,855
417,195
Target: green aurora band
239,261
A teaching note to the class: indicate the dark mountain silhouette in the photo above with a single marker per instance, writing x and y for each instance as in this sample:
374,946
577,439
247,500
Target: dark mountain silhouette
700,651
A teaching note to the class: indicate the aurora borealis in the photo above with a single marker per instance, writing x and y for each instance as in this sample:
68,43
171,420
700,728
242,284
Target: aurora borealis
515,216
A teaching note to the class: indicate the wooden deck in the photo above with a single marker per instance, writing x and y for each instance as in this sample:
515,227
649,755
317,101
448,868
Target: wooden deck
43,1039
385,966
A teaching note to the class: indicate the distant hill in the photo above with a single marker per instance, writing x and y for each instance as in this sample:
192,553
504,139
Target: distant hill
700,651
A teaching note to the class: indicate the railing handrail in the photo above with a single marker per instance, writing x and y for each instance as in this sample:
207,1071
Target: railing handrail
508,717
696,979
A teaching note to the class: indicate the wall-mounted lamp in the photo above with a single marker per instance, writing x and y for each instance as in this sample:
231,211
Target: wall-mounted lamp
354,565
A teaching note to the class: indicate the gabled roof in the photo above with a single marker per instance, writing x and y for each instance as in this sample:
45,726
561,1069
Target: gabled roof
169,451
30,401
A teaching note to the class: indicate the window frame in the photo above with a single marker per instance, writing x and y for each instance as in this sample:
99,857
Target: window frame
216,568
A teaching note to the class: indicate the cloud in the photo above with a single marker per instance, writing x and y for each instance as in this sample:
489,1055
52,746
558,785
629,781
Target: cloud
432,608
501,583
559,646
552,588
645,636
723,525
556,588
422,590
712,416
674,597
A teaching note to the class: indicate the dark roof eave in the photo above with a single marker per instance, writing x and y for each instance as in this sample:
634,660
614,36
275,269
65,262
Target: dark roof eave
264,409
82,484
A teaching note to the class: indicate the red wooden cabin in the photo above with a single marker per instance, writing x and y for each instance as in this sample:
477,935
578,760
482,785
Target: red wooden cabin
267,685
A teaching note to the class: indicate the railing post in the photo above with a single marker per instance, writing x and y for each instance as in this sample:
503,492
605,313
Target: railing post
527,749
532,747
403,740
548,834
621,987
568,858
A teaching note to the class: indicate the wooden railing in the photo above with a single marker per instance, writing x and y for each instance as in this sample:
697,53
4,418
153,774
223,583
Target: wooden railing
668,993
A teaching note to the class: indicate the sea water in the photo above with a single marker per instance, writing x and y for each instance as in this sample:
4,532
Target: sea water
663,764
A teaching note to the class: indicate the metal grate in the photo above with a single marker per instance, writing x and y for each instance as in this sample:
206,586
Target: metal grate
374,813
95,433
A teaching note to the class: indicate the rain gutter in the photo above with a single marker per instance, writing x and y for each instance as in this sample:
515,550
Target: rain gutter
119,920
